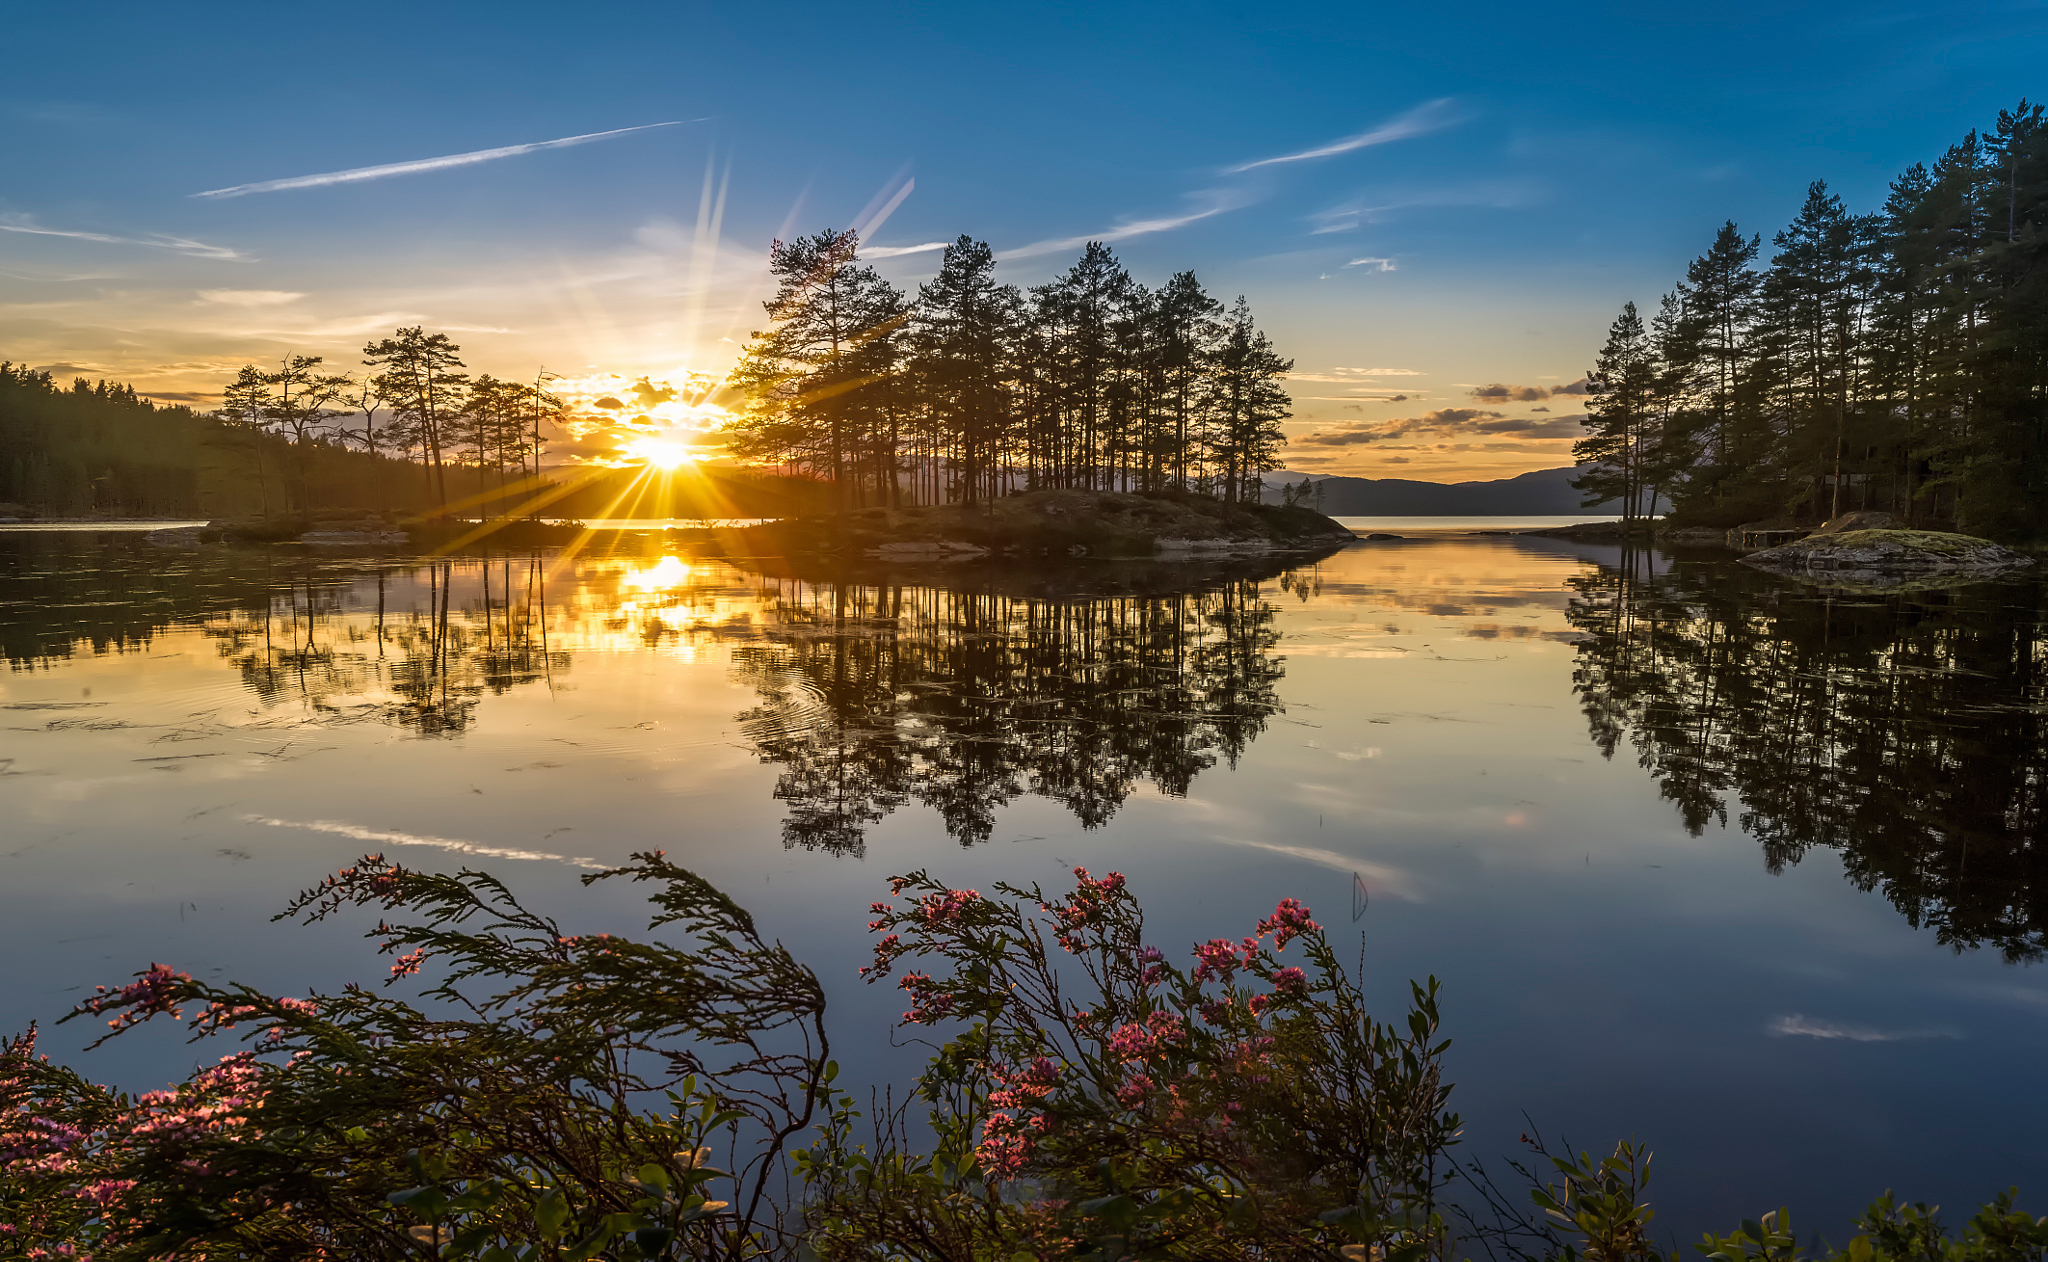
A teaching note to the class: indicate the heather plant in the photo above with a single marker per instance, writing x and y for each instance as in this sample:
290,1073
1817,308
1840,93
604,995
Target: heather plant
550,1097
1097,1099
554,1096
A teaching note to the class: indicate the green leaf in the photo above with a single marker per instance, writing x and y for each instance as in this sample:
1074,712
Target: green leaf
550,1212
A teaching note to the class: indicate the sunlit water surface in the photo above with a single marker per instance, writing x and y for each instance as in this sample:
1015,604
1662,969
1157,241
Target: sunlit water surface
1744,871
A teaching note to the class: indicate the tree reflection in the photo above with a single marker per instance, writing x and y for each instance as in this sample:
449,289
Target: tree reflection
1904,730
421,663
958,689
963,699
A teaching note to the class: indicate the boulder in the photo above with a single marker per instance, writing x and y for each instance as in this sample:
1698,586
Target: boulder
1695,537
1867,520
1768,533
1883,557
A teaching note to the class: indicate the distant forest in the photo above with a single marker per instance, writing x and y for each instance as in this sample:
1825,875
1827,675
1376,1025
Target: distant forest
972,389
857,393
1896,360
298,442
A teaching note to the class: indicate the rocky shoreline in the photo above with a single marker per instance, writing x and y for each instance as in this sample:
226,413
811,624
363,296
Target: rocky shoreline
1053,523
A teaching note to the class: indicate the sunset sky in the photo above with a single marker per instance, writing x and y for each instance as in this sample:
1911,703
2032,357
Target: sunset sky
1420,201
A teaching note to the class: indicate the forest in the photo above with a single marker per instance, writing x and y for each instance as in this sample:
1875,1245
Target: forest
1902,730
1893,360
856,395
972,389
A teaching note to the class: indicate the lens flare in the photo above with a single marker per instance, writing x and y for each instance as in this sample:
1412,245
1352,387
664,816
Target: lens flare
659,453
659,423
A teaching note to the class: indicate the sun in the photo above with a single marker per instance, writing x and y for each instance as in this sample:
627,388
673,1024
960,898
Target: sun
660,453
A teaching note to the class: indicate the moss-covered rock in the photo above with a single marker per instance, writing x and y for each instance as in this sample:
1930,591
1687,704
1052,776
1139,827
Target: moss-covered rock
1050,523
1877,557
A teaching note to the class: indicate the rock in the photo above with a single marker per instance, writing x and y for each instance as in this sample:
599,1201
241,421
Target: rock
1880,557
1382,538
1593,530
353,538
1768,533
1696,537
180,536
1858,521
942,550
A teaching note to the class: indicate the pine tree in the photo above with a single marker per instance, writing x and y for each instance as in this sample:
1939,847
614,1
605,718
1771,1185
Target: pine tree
1245,403
421,383
1621,394
965,326
802,380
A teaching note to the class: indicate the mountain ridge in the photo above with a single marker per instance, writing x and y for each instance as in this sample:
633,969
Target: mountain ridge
1542,492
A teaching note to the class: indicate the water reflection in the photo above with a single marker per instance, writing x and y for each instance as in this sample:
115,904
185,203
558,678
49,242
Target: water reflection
873,691
1903,730
874,695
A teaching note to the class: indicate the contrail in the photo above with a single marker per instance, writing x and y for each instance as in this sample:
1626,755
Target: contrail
1418,121
356,832
359,174
197,249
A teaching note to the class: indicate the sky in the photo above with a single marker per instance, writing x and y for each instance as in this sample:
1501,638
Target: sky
1436,210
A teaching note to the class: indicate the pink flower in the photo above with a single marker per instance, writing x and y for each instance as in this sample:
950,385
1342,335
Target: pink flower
1215,960
1291,982
946,908
1288,921
886,952
929,1004
1134,1090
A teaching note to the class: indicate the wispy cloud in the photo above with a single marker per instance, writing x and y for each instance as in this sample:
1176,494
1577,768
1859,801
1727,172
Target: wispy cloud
1352,374
1211,203
355,832
250,297
1815,1028
182,245
1498,392
420,166
1378,265
1380,877
1428,117
898,251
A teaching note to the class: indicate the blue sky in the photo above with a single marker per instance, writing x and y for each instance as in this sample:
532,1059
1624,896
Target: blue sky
1524,170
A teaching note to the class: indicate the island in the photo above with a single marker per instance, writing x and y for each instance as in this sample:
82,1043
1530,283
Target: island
1050,523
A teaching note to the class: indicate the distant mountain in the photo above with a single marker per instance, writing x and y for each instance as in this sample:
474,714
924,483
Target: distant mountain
1544,493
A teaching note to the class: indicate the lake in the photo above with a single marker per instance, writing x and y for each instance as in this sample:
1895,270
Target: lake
1751,872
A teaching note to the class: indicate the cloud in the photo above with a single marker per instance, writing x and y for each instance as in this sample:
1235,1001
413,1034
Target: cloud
1214,202
1534,427
1428,117
1378,265
898,251
356,832
1454,422
1498,393
250,297
1381,878
357,175
1813,1027
1353,375
1576,387
1351,215
155,240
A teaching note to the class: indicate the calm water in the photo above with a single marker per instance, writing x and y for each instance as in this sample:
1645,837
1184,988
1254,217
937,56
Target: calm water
1748,872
